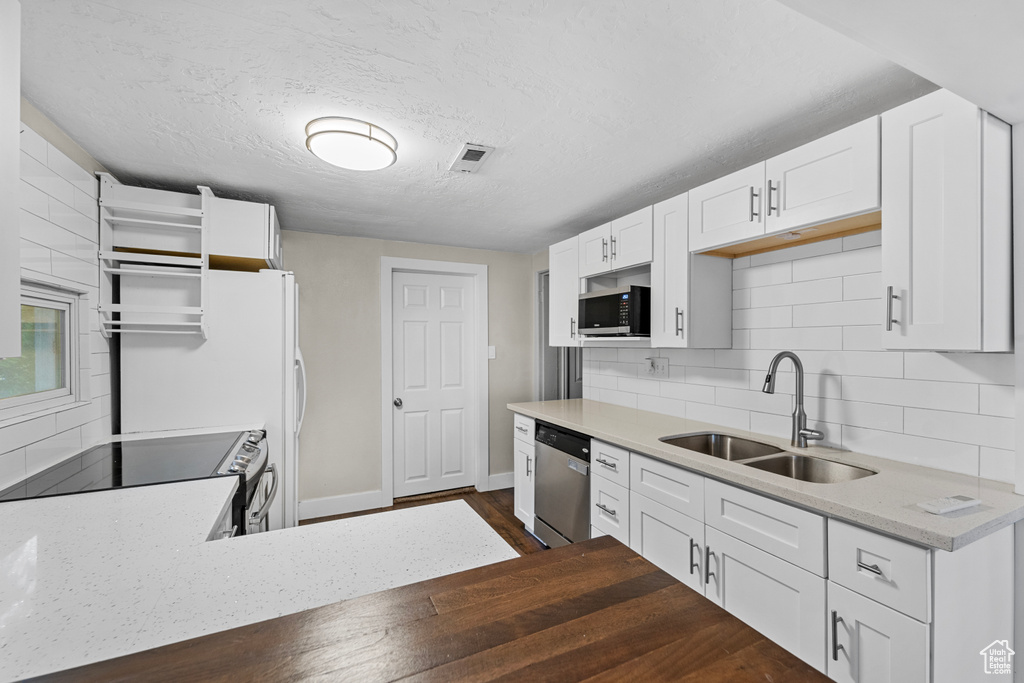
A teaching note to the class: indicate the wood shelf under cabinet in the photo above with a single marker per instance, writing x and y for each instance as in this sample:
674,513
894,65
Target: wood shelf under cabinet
845,227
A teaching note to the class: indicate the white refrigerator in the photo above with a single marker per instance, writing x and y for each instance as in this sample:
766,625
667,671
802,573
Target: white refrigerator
248,371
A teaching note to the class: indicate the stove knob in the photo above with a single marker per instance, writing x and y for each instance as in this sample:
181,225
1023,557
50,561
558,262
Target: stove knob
250,449
242,459
234,468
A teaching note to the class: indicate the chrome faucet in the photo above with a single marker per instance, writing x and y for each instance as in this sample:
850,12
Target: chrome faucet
800,431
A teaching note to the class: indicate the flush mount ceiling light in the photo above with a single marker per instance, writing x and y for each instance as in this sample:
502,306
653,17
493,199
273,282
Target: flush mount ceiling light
351,143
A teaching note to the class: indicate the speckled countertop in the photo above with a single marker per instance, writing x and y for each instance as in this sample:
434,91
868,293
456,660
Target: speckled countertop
98,575
885,502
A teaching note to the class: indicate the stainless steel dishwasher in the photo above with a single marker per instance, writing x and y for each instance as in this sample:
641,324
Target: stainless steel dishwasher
562,485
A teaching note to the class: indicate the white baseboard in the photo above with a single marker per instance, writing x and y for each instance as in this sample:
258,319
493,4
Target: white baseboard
339,505
504,480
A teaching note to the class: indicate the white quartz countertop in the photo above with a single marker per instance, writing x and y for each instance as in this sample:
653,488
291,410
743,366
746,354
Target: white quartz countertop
885,501
98,575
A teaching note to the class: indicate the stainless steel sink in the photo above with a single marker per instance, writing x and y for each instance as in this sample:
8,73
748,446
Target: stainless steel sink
721,446
809,468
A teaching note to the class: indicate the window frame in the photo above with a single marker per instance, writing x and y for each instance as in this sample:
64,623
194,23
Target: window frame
68,302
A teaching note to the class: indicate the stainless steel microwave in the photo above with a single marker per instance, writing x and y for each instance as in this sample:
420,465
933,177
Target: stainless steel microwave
619,312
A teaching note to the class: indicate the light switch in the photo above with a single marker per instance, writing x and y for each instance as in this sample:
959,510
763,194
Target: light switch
491,353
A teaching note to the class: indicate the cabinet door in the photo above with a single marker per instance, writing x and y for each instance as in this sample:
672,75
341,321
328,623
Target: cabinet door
523,469
276,255
632,240
874,644
564,292
831,178
670,274
935,180
669,539
10,155
727,210
595,251
610,462
784,602
237,228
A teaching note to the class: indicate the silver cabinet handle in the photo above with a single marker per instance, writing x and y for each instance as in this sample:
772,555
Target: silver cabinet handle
607,509
772,188
873,568
572,328
889,320
836,647
528,459
609,465
524,430
398,402
604,249
707,565
753,214
613,249
693,565
679,322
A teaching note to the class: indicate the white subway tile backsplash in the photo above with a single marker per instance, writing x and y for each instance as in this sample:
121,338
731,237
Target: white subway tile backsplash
21,434
71,219
945,455
34,200
818,291
35,257
49,452
32,144
773,274
863,240
43,232
914,393
952,411
76,417
984,368
777,316
984,430
41,177
87,206
797,338
60,163
834,265
12,467
997,464
866,286
996,400
76,270
601,354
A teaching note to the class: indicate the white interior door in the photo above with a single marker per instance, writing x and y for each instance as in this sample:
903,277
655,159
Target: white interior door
433,382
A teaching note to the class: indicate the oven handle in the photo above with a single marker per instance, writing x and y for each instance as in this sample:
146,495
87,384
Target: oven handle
261,514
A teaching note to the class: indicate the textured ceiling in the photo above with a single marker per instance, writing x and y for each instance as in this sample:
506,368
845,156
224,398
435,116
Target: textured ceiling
595,108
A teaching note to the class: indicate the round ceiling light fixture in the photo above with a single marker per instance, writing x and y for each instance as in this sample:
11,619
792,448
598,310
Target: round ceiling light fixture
351,143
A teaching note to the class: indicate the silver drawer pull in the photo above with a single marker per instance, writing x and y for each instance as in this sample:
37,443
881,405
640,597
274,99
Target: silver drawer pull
873,568
836,647
609,465
606,509
521,429
693,565
889,320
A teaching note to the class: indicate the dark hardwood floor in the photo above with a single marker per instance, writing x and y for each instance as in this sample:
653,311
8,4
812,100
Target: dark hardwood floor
495,507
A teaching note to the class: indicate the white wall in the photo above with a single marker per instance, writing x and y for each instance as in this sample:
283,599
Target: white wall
822,300
59,224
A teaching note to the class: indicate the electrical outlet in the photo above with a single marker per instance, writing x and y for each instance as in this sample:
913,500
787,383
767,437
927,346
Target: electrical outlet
657,367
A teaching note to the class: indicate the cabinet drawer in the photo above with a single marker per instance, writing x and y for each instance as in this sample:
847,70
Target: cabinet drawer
787,532
892,572
524,427
610,462
673,487
669,539
609,508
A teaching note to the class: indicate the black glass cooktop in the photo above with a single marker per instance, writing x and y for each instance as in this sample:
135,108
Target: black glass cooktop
129,463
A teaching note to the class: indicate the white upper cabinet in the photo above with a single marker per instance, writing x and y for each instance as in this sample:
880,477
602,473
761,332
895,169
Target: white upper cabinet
727,210
831,178
834,177
10,154
245,230
946,225
623,243
691,295
564,292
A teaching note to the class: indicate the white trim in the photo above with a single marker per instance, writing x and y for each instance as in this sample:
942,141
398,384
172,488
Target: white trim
338,505
478,272
502,480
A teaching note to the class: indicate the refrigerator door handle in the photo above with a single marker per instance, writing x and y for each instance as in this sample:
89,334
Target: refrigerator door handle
300,365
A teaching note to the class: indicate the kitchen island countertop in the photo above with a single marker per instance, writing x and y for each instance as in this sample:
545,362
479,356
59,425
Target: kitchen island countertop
885,502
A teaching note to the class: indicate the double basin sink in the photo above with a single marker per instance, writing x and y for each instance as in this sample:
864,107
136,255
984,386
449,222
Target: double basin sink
768,458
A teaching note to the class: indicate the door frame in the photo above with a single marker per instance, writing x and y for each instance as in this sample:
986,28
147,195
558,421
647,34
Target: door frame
477,274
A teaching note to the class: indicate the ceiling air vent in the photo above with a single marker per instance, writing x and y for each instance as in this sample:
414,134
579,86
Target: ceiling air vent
471,158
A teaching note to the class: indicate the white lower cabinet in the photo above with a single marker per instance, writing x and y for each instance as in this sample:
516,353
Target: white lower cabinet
780,600
668,539
523,471
870,643
609,508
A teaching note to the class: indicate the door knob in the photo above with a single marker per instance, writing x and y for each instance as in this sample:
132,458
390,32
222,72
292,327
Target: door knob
398,403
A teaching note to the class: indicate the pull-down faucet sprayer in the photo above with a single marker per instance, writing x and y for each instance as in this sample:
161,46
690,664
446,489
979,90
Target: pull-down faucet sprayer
800,431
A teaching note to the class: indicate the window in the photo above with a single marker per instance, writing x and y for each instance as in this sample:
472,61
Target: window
46,373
